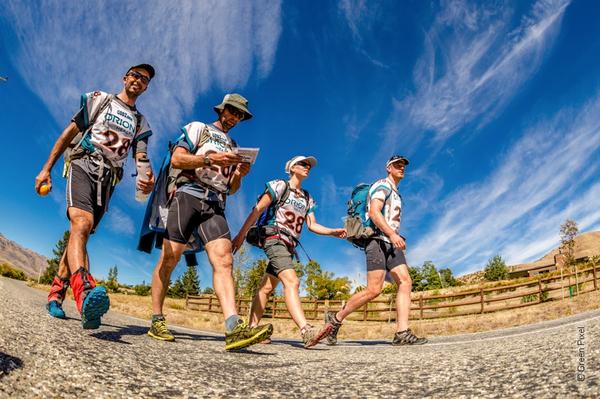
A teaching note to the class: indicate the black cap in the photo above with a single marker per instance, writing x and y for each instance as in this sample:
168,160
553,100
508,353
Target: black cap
396,158
146,67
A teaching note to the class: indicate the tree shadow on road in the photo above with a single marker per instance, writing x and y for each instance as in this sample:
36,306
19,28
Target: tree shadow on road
8,364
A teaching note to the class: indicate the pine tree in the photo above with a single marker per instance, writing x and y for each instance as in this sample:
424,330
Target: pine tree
495,269
58,251
190,281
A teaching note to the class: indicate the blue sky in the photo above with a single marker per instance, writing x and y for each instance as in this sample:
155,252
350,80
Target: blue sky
497,104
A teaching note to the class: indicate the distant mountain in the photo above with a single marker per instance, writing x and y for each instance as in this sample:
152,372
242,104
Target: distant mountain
21,258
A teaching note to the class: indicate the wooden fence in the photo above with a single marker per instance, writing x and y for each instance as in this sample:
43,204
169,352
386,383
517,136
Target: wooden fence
424,306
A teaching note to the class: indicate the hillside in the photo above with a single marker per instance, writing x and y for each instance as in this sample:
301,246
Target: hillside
21,258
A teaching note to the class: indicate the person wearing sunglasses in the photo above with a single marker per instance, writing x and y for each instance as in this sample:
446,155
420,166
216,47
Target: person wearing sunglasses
286,207
210,170
95,144
384,254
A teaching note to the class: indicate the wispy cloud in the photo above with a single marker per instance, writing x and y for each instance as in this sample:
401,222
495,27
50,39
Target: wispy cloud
543,179
475,60
194,46
120,222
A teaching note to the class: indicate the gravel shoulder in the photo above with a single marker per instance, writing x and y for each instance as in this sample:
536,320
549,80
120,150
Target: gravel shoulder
45,357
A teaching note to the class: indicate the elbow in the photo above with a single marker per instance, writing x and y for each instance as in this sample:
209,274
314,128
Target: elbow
176,162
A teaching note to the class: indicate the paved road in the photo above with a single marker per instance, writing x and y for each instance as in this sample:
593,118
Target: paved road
45,357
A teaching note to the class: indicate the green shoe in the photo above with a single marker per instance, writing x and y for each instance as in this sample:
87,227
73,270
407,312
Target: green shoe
159,331
243,335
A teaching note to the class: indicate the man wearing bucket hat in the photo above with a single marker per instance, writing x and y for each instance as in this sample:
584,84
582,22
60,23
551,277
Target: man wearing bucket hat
95,146
210,170
286,207
385,254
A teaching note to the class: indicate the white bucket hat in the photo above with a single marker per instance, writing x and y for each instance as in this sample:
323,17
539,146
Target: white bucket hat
311,160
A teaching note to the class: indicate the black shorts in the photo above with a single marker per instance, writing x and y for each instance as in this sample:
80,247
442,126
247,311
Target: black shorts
187,213
82,192
382,255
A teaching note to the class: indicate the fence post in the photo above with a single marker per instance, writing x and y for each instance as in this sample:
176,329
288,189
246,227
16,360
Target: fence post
539,290
594,273
365,311
316,310
481,296
390,311
421,307
210,303
186,300
274,307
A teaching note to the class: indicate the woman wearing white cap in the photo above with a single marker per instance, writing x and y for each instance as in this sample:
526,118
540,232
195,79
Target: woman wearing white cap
288,206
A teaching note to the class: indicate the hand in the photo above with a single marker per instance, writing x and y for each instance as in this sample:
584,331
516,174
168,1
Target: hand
225,158
397,241
243,169
237,242
146,186
43,178
339,233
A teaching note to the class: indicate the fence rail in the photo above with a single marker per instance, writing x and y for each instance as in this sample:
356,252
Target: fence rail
473,301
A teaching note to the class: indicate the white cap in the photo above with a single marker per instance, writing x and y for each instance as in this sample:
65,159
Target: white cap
311,160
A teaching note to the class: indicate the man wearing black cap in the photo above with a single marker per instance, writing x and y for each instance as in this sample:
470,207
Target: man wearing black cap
210,170
385,253
98,140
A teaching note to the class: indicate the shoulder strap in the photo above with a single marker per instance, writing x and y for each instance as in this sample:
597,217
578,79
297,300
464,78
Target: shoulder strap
92,120
285,195
307,195
204,136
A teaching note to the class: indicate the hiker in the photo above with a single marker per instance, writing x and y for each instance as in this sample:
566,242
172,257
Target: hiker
283,209
95,146
210,171
384,252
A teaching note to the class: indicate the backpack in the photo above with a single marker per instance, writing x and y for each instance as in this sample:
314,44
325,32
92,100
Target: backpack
358,227
260,230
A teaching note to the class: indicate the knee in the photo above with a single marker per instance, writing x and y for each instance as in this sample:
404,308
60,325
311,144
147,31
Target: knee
373,292
293,284
81,226
223,263
266,290
405,283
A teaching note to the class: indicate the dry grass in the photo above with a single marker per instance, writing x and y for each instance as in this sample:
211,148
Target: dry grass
176,314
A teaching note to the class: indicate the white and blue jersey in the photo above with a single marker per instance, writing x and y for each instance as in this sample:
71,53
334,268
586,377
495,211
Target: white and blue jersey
292,214
386,191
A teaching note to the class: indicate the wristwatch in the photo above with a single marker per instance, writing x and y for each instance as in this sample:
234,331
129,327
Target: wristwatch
207,161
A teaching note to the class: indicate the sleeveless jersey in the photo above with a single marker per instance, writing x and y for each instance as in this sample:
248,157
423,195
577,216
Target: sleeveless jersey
386,191
292,214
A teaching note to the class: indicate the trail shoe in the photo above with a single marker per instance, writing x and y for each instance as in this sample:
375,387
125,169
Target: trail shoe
335,327
95,304
407,337
243,336
312,335
159,330
55,310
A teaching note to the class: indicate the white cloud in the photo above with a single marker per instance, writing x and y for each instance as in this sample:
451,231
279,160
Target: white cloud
120,222
474,62
66,48
542,180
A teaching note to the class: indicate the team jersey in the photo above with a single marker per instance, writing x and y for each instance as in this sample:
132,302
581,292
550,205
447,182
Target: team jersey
292,214
213,140
116,128
386,191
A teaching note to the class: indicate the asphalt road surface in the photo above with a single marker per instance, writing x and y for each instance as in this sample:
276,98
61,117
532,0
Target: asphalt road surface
45,357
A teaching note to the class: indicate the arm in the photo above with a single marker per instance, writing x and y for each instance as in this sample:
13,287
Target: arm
59,147
241,170
311,223
263,204
183,159
375,214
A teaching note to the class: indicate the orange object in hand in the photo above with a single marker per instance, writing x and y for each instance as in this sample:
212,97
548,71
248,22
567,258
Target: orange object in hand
44,190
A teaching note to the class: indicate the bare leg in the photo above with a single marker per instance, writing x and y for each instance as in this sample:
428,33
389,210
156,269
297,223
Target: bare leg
81,226
267,285
169,256
291,292
402,278
221,259
375,279
63,267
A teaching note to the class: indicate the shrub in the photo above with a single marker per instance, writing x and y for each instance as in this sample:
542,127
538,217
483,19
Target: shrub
7,270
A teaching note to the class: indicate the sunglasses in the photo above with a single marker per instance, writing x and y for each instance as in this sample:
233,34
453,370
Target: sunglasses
145,79
305,164
235,112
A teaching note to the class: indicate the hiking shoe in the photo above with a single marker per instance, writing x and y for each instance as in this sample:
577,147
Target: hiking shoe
159,330
312,335
335,327
55,310
243,335
407,337
95,304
